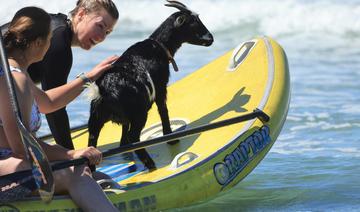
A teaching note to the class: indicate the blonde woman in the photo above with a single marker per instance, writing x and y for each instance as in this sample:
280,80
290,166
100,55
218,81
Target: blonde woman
87,25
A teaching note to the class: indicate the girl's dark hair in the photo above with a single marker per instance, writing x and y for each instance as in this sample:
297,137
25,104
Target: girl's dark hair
95,5
28,24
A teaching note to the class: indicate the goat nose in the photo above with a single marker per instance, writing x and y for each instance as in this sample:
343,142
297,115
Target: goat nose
208,37
211,37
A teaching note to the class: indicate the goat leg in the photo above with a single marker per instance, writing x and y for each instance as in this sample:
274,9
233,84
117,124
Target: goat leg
124,134
94,126
125,141
98,117
165,120
134,136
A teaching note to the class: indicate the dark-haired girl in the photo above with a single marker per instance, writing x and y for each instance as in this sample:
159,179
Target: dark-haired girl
26,41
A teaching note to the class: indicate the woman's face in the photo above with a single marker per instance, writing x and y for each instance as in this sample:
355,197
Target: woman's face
92,28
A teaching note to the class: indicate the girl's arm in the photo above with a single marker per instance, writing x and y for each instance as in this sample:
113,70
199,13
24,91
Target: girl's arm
13,136
7,115
59,97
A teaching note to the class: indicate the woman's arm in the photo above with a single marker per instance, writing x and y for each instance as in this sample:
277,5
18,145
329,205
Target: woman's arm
59,97
10,127
7,115
13,136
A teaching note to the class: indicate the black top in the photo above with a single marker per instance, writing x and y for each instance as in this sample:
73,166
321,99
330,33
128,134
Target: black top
53,71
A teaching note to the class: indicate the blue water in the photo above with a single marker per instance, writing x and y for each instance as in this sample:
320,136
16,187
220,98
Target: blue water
314,165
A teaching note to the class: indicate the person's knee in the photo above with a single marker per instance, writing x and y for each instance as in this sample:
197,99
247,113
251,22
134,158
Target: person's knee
13,164
63,179
82,171
73,174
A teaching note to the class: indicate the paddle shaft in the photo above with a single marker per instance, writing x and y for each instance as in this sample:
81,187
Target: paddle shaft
34,153
169,137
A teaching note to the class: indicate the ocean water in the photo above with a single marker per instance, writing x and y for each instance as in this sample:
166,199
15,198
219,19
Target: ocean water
314,164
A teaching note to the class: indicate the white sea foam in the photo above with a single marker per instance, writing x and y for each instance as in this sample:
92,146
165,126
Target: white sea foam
308,116
271,17
316,148
9,8
298,147
321,125
350,109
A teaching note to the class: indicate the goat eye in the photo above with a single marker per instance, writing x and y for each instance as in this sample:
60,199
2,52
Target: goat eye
180,21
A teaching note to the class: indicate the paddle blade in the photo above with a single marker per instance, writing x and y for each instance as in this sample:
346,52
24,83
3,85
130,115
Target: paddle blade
41,168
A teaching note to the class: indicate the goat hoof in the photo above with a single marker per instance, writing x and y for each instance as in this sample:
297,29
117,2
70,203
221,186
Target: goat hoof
173,142
151,168
150,165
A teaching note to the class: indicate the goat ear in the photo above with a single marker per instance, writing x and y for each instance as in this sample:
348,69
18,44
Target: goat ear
180,21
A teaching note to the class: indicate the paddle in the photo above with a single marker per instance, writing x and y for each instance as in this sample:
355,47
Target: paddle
166,138
40,166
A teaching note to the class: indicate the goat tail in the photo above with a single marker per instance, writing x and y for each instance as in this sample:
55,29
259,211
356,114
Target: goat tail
93,92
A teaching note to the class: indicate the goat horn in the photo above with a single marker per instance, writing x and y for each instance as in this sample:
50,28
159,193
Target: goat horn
178,5
177,2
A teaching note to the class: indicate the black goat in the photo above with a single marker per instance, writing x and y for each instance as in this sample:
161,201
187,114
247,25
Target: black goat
140,77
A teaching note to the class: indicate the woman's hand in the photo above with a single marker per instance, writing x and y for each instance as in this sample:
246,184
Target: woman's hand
98,70
91,153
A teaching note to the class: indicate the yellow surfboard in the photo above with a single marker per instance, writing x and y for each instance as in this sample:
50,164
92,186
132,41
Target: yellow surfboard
255,75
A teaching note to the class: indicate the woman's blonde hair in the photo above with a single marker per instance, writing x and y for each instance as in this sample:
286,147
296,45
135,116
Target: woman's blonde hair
96,5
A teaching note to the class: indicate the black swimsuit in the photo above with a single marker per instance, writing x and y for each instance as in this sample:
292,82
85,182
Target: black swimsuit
53,72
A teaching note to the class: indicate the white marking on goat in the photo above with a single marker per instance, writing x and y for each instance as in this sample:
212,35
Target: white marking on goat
153,93
93,92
